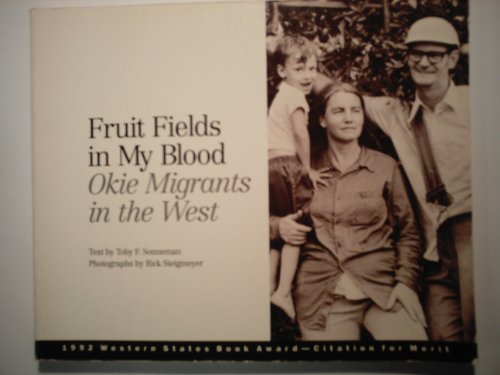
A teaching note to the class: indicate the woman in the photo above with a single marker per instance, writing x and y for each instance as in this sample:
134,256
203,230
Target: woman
360,265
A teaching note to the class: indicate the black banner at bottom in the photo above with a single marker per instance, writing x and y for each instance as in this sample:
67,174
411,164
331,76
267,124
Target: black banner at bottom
257,351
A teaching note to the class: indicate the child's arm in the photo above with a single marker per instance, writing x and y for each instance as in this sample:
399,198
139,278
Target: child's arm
302,145
301,137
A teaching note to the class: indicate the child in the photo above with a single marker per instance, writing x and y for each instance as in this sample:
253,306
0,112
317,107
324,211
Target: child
289,152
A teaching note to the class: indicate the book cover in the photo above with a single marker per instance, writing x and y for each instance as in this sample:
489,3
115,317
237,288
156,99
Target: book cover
154,204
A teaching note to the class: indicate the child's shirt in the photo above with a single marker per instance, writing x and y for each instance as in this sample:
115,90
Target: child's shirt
287,100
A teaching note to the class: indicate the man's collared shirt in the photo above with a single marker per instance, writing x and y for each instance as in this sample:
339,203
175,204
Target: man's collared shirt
448,126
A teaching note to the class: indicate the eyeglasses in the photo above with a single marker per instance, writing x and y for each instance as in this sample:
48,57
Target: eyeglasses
434,57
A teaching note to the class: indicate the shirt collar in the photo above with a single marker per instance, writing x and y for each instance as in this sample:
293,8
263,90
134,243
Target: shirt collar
284,86
365,160
451,99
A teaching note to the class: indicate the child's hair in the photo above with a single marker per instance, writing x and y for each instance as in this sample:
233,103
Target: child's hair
291,45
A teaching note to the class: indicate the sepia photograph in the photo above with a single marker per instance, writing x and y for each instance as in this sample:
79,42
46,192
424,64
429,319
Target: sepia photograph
369,171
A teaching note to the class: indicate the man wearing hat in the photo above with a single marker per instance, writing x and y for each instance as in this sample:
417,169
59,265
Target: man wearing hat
432,139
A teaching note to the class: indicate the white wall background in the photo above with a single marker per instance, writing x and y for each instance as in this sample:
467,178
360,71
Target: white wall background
16,237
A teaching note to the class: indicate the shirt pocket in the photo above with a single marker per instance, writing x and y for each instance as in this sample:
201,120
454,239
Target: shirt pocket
368,208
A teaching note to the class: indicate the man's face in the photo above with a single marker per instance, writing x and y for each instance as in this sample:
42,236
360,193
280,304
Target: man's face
299,74
430,64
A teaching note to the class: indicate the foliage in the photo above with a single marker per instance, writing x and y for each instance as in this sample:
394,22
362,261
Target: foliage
356,47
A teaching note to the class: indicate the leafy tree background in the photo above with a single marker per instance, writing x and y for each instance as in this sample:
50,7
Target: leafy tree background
356,45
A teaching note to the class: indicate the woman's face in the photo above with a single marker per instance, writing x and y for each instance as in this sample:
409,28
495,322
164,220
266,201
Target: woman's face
343,117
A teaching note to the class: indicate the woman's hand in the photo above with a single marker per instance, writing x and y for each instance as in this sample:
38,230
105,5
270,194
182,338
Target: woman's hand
292,232
409,300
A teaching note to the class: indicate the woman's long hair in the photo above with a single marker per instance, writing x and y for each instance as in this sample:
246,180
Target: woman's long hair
371,136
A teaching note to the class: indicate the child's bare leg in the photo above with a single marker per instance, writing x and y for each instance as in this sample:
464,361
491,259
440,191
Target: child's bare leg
274,261
282,297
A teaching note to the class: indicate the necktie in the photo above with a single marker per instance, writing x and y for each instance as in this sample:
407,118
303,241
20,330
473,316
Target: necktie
436,191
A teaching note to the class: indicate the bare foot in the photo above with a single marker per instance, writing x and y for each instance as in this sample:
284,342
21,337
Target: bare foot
285,302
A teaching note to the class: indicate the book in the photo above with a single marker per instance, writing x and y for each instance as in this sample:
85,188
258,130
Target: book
151,202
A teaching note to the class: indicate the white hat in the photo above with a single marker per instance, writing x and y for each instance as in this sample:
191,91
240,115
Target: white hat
433,30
